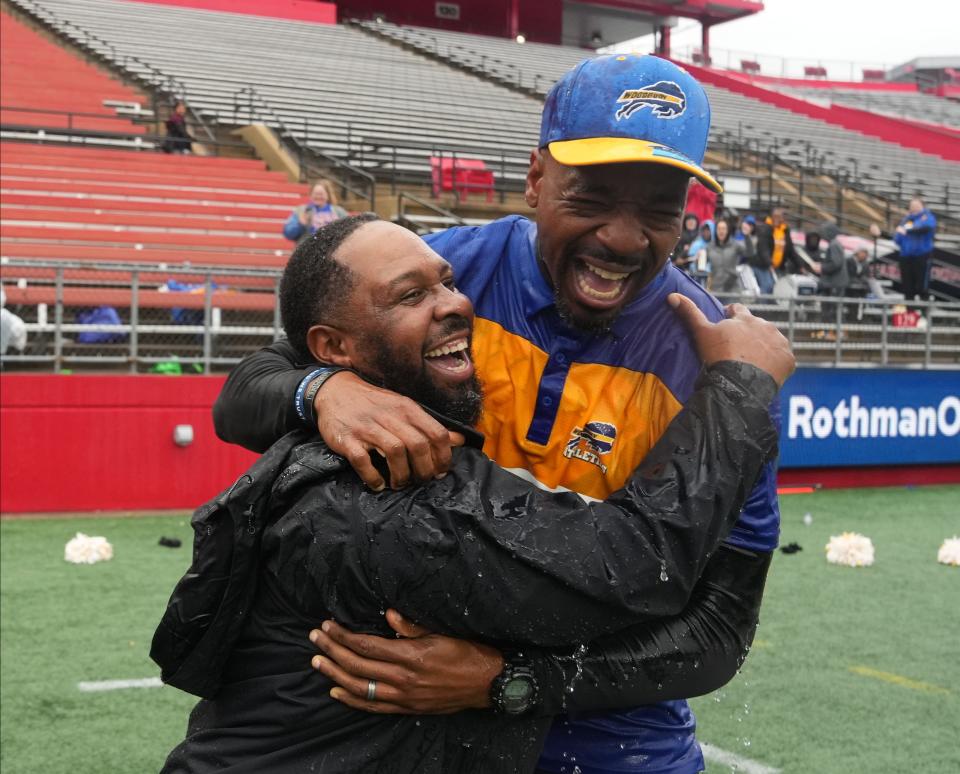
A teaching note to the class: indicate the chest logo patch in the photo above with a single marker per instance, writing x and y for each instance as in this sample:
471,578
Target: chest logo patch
591,442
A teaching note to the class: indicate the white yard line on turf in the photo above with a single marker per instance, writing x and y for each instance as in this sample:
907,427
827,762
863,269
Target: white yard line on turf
118,685
740,764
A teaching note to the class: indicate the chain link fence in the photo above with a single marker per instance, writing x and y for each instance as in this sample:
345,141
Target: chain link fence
149,318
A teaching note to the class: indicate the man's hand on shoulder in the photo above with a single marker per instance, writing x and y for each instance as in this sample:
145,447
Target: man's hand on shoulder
421,673
742,337
355,418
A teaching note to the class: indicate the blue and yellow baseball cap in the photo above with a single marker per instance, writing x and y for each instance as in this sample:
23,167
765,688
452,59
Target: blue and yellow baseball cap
627,107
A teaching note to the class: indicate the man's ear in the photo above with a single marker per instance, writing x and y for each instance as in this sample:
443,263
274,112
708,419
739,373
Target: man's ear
329,345
534,177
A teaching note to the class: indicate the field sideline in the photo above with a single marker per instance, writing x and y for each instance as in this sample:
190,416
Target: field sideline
852,671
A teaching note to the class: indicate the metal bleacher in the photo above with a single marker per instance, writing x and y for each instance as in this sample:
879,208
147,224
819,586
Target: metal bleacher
336,88
353,92
916,106
884,168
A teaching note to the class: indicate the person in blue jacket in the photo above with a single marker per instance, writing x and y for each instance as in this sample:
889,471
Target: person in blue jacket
316,213
914,237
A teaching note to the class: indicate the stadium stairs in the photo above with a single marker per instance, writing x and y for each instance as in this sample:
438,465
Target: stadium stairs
82,214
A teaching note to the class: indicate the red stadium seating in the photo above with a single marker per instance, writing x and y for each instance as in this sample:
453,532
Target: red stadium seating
39,75
91,204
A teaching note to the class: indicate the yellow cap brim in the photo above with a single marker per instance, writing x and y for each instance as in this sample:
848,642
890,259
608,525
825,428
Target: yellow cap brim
618,150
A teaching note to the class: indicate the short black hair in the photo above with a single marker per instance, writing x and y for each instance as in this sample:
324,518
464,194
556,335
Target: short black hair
315,285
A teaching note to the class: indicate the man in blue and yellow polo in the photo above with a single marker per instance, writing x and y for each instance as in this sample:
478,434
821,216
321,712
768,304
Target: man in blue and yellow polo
583,367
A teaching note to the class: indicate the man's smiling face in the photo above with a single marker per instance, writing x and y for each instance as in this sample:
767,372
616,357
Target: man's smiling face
605,231
408,327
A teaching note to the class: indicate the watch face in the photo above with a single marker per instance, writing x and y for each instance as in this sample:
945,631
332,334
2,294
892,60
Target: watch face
517,693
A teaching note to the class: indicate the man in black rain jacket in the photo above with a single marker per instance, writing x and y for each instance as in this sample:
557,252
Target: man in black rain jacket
479,554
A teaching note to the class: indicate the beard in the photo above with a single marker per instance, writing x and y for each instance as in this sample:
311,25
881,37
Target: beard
408,376
591,324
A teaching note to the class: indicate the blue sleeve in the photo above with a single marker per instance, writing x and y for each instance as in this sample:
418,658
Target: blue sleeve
293,228
926,222
758,527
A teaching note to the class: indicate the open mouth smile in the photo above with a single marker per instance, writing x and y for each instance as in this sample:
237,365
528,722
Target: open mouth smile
600,286
452,357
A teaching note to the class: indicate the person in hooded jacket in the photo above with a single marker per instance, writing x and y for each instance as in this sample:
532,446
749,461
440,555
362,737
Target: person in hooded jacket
834,278
724,254
681,257
747,229
480,553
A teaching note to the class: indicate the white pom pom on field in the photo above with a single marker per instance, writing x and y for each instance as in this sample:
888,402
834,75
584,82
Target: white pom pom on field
84,549
851,549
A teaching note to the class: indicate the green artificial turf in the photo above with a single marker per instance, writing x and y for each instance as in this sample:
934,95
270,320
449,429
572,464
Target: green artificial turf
796,706
63,623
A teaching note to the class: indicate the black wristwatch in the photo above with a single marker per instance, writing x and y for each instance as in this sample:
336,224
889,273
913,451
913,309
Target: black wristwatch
514,691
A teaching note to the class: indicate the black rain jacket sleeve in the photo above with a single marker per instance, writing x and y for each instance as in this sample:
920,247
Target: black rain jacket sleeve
483,554
678,657
255,407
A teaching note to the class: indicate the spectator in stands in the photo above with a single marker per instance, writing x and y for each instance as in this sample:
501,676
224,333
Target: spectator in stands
316,213
833,265
698,266
533,567
13,331
833,274
747,230
691,231
178,138
859,271
914,236
568,307
724,253
775,254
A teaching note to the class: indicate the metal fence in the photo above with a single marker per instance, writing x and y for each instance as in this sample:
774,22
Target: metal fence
150,317
139,318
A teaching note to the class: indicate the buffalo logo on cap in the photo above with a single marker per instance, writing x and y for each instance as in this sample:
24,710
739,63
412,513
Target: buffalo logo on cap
664,98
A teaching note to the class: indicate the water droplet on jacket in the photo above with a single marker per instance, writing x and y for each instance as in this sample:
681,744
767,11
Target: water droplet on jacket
663,572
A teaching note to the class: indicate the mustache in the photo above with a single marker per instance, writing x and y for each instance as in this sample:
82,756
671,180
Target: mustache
449,327
608,256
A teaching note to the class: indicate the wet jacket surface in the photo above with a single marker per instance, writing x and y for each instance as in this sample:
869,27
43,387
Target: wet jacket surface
479,554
